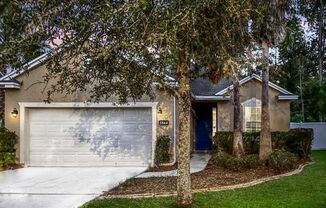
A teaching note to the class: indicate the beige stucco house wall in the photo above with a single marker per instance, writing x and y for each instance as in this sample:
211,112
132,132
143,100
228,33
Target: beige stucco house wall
34,90
279,109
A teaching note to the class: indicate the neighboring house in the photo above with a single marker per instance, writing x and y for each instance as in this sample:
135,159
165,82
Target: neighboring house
71,132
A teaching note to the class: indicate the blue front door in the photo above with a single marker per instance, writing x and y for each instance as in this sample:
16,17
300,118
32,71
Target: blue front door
203,127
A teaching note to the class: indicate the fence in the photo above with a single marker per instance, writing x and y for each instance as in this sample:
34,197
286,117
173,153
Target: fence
319,129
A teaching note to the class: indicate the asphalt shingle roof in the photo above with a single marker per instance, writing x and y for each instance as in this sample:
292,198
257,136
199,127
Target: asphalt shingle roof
204,87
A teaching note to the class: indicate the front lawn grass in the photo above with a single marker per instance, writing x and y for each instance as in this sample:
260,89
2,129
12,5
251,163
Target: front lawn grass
306,190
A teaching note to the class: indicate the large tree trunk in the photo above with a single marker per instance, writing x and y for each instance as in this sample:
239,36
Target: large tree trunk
265,135
238,149
184,196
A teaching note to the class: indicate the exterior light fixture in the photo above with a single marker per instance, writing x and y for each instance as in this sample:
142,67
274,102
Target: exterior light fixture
159,111
14,113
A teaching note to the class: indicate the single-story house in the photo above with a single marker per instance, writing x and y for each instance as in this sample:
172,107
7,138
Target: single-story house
72,132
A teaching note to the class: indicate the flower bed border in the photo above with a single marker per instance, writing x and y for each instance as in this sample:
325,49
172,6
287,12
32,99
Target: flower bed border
222,188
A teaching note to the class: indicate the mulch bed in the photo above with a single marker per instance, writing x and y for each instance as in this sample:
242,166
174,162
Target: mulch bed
212,176
14,167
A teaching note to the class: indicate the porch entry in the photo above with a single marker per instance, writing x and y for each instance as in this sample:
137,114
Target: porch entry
205,125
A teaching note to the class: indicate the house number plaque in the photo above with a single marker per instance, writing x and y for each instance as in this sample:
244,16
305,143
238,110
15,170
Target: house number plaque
163,122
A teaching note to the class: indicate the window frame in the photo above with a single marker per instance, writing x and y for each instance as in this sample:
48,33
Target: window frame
252,103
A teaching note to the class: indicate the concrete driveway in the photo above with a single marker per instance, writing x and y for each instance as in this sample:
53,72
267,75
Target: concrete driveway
59,187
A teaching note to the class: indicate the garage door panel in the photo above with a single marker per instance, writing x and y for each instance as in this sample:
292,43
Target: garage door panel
139,115
94,137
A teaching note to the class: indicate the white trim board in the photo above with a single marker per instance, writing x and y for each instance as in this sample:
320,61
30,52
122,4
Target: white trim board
211,98
251,100
11,85
86,105
288,97
23,106
254,76
33,63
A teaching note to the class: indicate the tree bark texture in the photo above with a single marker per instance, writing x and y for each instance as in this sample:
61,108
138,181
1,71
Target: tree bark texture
184,195
238,149
265,148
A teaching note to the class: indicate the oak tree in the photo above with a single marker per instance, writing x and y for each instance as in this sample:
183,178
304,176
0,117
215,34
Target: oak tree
121,48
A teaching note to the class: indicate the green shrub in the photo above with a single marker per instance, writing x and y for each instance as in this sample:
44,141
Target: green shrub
8,141
223,141
251,161
227,161
8,159
162,154
281,159
297,141
251,142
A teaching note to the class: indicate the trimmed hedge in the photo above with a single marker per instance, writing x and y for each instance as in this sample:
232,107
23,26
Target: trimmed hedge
251,161
297,141
162,154
226,160
8,140
281,159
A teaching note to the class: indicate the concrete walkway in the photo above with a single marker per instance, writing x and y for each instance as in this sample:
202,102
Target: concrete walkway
59,187
198,163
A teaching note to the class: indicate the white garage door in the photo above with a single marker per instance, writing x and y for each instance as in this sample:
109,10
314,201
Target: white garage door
90,137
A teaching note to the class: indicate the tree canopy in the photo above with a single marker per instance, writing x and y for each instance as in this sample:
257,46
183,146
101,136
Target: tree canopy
122,47
299,59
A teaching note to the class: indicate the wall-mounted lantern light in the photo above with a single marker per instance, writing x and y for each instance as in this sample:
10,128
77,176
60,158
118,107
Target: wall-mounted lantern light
14,113
159,111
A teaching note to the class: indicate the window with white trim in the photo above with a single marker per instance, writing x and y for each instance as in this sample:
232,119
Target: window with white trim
251,115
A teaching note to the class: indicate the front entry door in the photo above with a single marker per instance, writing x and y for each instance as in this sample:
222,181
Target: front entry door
203,127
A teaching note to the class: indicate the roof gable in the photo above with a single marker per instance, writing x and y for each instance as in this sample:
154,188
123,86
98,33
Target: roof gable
258,78
26,67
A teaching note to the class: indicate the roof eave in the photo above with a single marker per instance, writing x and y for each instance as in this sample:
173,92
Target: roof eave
210,98
287,97
9,85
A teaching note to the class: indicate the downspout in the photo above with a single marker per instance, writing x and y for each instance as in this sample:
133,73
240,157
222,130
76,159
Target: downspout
174,136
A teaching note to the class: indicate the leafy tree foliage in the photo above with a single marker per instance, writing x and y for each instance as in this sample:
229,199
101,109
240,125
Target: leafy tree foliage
120,48
314,96
14,21
298,73
314,12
